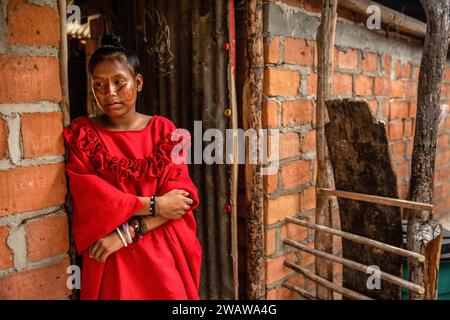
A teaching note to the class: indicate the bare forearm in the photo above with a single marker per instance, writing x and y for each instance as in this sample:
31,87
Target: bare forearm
154,222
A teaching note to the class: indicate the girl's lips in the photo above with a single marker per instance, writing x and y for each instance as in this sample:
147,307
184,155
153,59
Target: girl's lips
113,104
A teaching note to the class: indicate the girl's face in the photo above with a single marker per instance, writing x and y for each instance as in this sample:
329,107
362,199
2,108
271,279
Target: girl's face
115,87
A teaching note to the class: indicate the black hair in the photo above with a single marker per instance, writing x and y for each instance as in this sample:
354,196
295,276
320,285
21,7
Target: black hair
111,48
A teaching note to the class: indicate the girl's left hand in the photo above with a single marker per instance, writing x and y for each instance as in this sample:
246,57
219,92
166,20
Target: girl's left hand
105,246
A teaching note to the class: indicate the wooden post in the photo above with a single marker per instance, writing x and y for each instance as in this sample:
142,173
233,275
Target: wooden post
63,63
252,97
424,233
324,204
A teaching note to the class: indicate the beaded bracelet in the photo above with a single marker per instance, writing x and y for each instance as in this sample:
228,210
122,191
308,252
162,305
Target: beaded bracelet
137,230
142,225
151,209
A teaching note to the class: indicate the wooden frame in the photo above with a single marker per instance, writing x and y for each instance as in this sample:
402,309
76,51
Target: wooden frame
360,239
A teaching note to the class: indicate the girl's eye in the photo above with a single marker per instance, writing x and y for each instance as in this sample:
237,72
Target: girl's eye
120,81
98,84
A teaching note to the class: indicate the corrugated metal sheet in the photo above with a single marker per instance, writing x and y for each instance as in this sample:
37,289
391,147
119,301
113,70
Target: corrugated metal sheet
180,46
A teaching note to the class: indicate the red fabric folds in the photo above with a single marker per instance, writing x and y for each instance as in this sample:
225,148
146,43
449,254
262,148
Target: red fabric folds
107,170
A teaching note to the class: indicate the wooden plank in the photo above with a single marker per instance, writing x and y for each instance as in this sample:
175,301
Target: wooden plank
379,200
356,238
389,16
357,266
359,152
328,284
324,206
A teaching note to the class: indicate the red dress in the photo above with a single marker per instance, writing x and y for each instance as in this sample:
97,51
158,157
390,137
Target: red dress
107,170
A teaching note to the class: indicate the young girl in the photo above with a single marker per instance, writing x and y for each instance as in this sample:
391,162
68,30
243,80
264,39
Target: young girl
133,203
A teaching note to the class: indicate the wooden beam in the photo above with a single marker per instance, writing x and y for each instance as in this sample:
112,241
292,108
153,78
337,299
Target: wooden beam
389,17
252,99
324,205
328,284
357,266
359,239
378,199
63,63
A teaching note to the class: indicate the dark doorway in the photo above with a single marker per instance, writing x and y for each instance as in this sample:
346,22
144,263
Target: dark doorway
182,49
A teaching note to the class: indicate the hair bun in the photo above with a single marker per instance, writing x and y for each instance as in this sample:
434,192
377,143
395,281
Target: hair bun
111,40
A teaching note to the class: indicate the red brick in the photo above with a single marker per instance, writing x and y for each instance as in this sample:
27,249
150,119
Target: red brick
311,83
47,236
409,147
395,130
402,170
306,258
44,186
275,268
295,112
278,209
312,6
399,110
42,134
408,128
343,83
403,70
370,62
272,50
410,89
348,59
281,82
446,74
289,145
309,142
415,75
270,114
399,150
373,105
6,255
42,283
3,138
294,232
270,241
387,63
298,51
295,173
382,86
445,89
29,79
308,199
397,89
443,141
270,183
412,109
32,24
364,85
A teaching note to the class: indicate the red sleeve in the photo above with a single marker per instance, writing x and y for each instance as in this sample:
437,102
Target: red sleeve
98,206
177,177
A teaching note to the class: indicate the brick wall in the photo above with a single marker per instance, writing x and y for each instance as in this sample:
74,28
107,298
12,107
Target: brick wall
33,224
367,64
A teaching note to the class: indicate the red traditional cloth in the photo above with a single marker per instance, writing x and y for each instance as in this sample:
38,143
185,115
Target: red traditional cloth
107,171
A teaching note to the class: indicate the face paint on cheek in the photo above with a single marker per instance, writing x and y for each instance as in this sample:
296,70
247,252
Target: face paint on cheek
126,92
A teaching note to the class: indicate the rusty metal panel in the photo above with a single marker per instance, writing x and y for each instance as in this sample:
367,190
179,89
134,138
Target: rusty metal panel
181,48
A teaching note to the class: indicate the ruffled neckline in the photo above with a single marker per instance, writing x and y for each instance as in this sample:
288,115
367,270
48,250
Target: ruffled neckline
83,137
97,125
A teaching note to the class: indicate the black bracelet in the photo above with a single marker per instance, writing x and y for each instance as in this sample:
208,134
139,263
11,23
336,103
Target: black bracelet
152,207
137,230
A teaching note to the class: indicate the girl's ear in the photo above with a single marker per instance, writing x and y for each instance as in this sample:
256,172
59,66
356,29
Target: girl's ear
139,82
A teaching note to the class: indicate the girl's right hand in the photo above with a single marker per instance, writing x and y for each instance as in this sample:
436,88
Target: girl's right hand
174,204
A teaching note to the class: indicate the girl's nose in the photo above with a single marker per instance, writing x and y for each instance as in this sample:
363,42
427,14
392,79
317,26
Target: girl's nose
110,88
